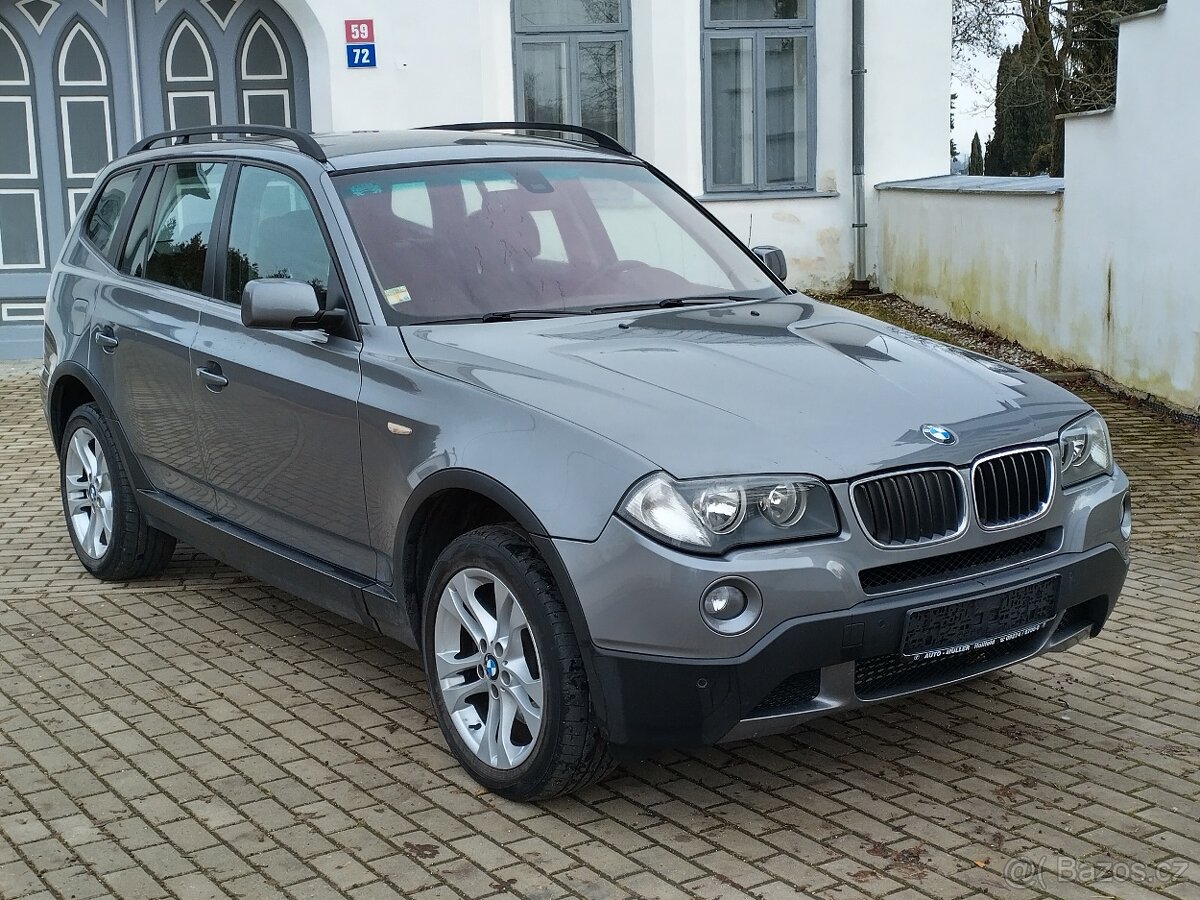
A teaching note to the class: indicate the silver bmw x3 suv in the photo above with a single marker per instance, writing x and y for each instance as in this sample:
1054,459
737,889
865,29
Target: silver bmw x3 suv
523,404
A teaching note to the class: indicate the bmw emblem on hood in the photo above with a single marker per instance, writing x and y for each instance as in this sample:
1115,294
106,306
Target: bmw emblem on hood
939,434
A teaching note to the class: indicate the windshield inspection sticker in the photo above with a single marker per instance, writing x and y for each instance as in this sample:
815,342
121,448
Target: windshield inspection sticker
397,295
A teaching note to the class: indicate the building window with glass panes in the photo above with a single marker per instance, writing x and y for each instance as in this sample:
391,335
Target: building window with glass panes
759,95
572,60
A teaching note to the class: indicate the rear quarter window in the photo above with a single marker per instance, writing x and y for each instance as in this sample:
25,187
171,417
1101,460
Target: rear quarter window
100,228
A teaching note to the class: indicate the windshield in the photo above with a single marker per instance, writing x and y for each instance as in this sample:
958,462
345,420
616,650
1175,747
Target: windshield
466,241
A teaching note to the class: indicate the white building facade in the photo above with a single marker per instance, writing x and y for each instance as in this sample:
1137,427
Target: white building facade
747,103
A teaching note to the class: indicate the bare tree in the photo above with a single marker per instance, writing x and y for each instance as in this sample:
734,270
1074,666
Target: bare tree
979,27
1075,48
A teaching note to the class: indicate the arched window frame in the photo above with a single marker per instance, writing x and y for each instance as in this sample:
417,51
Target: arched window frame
176,87
16,185
250,86
70,94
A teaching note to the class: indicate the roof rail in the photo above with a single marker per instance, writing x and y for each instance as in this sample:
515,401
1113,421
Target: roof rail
305,143
599,137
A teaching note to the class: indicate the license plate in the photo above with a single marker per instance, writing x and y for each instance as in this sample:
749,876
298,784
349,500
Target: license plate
963,626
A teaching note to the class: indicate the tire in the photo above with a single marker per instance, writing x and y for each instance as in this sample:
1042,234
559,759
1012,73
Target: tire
106,526
540,749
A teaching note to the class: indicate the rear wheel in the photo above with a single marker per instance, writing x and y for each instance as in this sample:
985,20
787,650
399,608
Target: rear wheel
109,533
505,672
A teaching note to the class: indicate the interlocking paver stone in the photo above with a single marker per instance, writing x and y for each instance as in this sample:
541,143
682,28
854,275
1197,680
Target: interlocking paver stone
203,735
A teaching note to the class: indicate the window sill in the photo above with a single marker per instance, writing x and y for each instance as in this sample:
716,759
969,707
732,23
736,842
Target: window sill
768,195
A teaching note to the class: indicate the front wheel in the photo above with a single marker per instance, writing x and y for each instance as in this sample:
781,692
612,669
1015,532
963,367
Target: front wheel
505,672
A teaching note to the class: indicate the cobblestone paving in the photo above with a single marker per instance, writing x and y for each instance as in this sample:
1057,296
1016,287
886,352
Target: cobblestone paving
204,736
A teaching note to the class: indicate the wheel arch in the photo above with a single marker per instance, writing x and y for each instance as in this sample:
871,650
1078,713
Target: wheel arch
74,386
464,499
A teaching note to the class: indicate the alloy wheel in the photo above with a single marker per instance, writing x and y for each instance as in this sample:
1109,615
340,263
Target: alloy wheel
488,668
89,493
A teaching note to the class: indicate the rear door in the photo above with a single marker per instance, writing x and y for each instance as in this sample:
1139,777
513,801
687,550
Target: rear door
278,410
145,320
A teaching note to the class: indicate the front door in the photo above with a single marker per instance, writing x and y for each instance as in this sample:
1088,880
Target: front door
70,103
278,410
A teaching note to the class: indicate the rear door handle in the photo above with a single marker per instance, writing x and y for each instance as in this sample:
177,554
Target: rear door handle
211,376
106,340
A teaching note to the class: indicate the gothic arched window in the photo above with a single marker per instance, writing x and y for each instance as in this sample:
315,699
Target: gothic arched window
266,90
83,86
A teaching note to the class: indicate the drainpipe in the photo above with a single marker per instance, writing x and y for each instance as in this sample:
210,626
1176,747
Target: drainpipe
858,71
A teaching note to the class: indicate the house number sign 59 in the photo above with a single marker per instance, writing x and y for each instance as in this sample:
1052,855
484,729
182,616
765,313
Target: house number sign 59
360,44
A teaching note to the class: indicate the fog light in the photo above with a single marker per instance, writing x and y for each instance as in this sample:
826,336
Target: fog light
731,606
1127,518
725,603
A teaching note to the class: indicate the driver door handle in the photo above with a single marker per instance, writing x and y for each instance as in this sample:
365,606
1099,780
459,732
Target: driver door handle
212,377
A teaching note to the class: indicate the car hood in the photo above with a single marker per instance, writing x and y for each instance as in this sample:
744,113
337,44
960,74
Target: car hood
770,387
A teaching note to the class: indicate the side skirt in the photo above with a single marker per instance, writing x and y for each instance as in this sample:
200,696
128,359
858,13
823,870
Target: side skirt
329,587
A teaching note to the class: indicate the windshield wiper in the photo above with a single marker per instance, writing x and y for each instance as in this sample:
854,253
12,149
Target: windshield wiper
673,302
509,315
512,315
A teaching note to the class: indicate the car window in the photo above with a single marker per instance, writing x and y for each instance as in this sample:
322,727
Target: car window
411,203
551,245
465,240
274,233
489,184
101,226
133,254
176,244
642,231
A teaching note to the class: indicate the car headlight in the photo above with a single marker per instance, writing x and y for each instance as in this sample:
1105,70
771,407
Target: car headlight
714,515
1085,450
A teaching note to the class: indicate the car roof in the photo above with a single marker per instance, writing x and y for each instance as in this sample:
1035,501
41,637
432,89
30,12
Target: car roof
352,150
363,149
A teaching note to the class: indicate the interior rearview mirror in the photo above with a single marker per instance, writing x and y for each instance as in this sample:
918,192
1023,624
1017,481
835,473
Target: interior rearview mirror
773,259
282,304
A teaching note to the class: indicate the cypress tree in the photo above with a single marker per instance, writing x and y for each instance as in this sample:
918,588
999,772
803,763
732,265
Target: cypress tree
976,165
1024,134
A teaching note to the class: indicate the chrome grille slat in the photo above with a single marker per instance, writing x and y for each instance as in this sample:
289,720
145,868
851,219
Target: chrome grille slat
1013,487
912,508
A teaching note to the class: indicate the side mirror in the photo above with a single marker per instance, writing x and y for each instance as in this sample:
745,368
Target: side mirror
773,259
281,304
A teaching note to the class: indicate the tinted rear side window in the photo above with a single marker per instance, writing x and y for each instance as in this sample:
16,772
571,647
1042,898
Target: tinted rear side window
274,234
177,244
101,226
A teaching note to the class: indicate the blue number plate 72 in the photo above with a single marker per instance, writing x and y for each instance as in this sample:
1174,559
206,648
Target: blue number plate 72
360,56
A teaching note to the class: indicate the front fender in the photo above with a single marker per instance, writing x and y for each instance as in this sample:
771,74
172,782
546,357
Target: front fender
416,424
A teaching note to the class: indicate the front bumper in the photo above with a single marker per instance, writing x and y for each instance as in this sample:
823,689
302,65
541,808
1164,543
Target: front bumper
819,664
825,641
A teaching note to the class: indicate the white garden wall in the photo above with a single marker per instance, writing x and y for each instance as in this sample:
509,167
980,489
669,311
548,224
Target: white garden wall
1101,275
987,251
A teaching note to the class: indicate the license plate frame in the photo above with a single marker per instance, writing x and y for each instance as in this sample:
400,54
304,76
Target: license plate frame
1040,597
